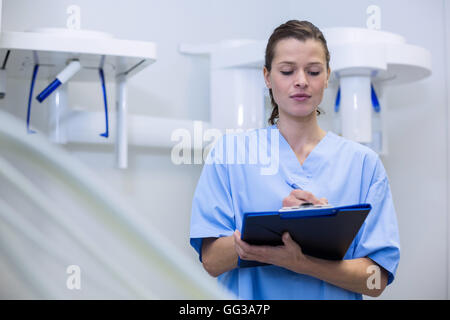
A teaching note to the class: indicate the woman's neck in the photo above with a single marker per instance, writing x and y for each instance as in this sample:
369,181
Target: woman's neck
301,134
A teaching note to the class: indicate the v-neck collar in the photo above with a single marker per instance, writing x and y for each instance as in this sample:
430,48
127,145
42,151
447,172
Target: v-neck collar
296,174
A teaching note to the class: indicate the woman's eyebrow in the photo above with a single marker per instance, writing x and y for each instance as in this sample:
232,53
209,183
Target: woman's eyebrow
312,63
286,62
293,63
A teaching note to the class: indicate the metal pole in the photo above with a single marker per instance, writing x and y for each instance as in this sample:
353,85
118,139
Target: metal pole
121,120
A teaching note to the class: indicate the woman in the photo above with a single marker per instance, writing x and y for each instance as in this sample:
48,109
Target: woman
314,166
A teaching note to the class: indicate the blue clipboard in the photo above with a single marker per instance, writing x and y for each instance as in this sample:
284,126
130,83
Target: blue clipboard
322,231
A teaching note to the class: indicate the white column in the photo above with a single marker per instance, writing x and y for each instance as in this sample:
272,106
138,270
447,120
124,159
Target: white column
237,98
121,122
57,104
356,108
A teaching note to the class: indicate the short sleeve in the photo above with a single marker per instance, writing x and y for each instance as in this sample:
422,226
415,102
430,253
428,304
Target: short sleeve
212,211
378,238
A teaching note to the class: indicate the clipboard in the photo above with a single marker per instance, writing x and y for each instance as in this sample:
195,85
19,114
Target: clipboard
322,231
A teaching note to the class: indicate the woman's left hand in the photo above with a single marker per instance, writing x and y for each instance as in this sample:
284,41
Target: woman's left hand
289,255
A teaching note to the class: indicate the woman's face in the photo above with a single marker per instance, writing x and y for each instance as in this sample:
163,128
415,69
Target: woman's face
298,77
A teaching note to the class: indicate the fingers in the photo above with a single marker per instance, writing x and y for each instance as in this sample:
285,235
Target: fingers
282,255
291,201
240,246
247,251
287,240
298,197
290,243
305,196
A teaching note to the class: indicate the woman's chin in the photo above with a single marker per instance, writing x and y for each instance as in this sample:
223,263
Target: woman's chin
302,113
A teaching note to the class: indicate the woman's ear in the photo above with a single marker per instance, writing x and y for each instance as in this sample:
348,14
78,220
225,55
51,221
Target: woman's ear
267,78
328,77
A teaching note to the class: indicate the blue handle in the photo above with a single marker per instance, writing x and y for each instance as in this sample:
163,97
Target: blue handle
102,78
33,80
375,103
338,100
47,91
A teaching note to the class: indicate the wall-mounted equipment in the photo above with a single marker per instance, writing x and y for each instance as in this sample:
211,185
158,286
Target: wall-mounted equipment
85,56
362,62
237,83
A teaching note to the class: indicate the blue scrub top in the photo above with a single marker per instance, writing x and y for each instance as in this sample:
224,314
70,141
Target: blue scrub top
237,179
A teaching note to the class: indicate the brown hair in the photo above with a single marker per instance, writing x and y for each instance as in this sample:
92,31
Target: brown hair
300,30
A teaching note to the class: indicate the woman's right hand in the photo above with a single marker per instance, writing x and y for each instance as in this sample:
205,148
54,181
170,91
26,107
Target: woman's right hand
298,197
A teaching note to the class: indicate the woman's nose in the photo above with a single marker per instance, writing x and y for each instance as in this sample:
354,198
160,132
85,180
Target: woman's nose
300,80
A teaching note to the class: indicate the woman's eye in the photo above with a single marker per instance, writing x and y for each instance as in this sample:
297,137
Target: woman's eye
314,73
286,73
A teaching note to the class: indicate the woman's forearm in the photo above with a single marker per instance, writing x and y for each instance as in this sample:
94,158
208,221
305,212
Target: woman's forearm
352,274
219,255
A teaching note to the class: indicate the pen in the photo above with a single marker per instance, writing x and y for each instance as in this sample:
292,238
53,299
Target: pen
305,204
294,185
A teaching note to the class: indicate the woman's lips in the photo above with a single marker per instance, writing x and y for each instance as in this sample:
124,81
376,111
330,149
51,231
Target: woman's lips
301,97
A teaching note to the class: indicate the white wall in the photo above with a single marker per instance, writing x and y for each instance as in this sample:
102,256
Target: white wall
447,64
177,86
